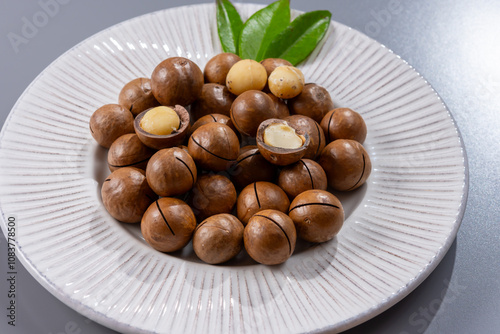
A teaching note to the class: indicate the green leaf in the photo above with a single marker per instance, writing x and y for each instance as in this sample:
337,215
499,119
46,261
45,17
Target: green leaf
229,25
300,38
262,27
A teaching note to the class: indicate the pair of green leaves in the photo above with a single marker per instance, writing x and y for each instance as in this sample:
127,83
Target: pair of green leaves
268,33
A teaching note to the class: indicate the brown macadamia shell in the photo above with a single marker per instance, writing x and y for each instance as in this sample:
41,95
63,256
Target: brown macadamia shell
317,139
218,238
246,148
251,167
126,194
213,118
177,80
317,214
314,101
214,99
214,146
171,172
282,110
250,109
110,122
128,151
301,176
260,196
344,123
346,163
168,224
137,96
212,194
218,66
270,237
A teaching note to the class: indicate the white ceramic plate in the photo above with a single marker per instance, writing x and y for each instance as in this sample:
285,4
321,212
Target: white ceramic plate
398,227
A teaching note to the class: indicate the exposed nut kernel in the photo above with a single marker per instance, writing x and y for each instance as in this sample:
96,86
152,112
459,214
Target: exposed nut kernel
286,82
160,121
282,135
246,75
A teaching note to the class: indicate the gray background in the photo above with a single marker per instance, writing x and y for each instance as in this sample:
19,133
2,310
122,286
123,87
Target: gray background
455,45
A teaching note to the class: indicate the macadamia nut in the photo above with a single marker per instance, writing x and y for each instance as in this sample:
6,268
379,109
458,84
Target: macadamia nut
110,122
246,75
168,224
318,215
218,238
270,237
137,96
126,194
346,163
286,82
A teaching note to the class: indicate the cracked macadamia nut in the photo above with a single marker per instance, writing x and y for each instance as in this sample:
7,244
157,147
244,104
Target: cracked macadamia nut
286,82
314,101
110,122
218,238
171,172
251,167
128,151
250,109
282,135
126,194
214,99
260,196
317,139
317,214
212,194
270,237
218,66
177,80
162,127
344,123
247,74
168,224
281,144
160,121
214,146
346,163
301,176
137,96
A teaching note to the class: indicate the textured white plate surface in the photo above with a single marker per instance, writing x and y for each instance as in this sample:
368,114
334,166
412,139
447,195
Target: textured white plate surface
398,227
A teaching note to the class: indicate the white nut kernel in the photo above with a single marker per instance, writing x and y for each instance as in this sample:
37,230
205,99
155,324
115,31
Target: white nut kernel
283,136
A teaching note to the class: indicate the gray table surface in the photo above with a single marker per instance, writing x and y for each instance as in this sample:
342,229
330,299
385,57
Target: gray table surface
455,45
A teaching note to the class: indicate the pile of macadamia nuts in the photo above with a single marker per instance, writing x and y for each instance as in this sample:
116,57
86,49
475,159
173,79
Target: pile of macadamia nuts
180,169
